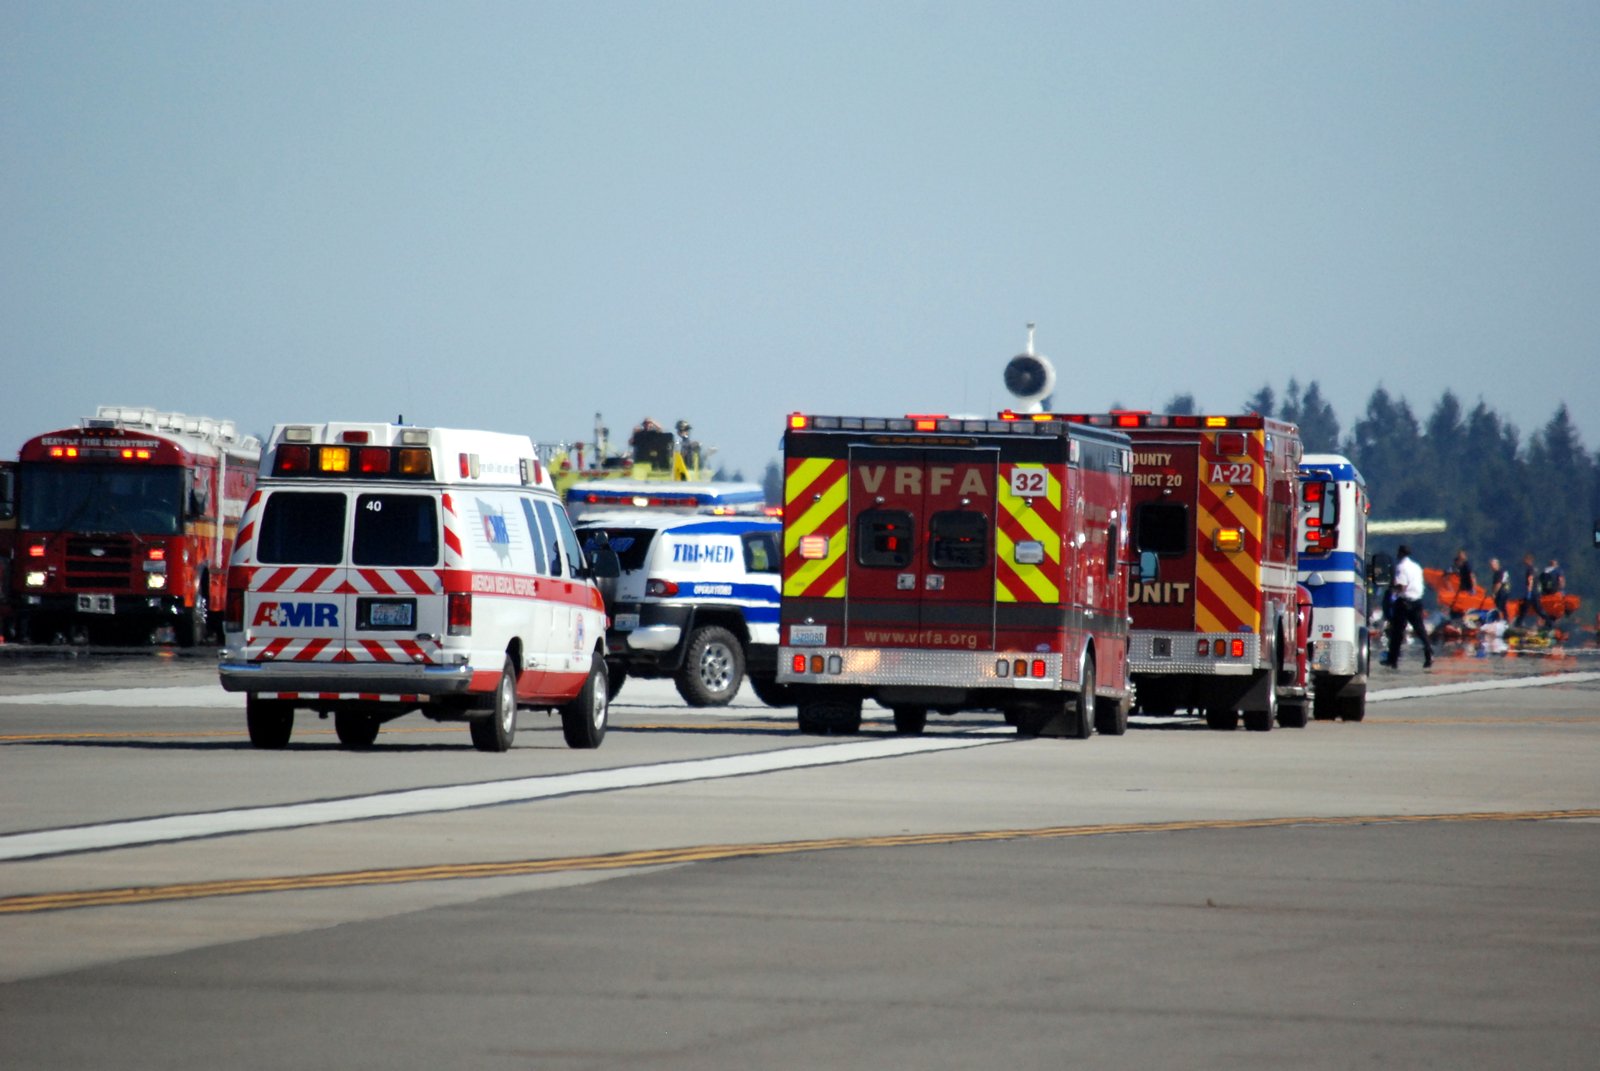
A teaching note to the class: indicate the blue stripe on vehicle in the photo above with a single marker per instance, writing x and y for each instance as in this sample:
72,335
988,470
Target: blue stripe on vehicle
1331,596
1339,561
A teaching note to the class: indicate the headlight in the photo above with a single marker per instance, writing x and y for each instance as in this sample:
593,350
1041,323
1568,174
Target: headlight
35,579
155,581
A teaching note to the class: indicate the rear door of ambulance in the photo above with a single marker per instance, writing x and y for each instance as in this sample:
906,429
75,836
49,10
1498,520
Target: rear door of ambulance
921,561
296,605
1164,504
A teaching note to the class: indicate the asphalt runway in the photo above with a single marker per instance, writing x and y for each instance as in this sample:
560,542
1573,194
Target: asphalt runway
712,890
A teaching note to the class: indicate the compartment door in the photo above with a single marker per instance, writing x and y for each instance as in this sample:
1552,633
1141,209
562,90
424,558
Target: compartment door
394,601
295,607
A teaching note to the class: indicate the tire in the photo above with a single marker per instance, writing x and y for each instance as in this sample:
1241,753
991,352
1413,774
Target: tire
616,674
713,668
584,720
355,730
495,732
193,627
1292,712
1224,721
1111,717
270,722
1080,725
1352,707
910,721
1324,700
829,717
770,692
1260,721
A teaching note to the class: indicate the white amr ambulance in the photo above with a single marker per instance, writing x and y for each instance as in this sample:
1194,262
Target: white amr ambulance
381,569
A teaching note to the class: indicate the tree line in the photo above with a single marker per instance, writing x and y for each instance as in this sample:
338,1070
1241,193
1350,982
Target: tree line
1500,495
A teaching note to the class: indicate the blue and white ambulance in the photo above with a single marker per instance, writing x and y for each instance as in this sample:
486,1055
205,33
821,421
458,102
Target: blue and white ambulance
1333,548
697,601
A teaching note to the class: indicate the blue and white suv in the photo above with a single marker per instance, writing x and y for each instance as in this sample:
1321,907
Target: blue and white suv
697,601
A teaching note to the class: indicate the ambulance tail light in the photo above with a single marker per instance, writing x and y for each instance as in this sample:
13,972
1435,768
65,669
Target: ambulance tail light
292,460
334,459
415,462
373,460
233,608
458,613
660,589
1228,540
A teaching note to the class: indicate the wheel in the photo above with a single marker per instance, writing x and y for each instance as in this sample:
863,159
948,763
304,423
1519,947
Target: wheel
355,730
1111,716
1324,699
193,627
494,732
1081,725
770,692
1292,712
1222,720
1260,721
270,722
713,668
616,673
1352,707
583,721
823,717
910,721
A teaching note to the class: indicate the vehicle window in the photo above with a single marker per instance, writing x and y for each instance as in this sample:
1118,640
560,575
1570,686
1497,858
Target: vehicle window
631,544
548,534
534,537
576,562
958,539
396,530
761,552
302,528
102,498
1162,527
884,538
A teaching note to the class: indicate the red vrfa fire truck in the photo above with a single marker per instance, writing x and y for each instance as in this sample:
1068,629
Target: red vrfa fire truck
8,541
950,564
126,523
1214,524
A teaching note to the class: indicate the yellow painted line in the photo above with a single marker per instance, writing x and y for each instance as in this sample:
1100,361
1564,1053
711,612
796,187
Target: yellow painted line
61,901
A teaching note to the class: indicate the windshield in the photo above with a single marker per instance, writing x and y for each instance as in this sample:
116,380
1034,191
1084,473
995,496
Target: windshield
102,498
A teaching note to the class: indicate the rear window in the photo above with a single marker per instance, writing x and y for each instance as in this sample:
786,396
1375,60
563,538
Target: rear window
1162,527
302,528
958,539
761,552
883,538
396,530
631,544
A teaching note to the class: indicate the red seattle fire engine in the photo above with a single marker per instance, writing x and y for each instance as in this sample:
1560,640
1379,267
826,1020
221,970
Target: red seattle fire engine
126,524
950,564
1215,623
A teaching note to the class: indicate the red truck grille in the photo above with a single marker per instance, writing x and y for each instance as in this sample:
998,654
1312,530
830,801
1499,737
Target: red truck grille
98,563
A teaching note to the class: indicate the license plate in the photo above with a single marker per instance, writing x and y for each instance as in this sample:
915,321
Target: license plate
808,635
625,622
97,604
1233,472
386,613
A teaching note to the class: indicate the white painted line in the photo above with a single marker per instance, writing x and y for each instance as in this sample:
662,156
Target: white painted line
464,796
200,695
1490,685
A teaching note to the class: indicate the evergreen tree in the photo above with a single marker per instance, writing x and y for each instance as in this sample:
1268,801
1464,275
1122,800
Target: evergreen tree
1263,402
1182,405
772,483
1319,427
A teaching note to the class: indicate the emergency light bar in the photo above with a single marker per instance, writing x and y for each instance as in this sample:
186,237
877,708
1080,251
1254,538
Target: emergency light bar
926,423
1132,418
372,462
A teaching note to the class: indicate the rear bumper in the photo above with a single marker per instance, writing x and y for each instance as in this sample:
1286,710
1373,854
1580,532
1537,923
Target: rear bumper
1177,653
314,677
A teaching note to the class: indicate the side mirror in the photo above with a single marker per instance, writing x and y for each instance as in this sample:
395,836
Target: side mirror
1149,566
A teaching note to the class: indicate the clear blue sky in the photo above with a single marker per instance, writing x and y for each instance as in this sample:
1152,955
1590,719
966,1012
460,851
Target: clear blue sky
513,215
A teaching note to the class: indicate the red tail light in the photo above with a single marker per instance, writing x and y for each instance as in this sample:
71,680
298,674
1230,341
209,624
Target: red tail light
660,589
458,607
798,663
233,611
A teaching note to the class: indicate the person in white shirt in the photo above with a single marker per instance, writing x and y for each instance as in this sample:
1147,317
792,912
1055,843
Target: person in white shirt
1408,588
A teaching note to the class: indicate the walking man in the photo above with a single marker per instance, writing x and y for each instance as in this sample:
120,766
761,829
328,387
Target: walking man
1408,587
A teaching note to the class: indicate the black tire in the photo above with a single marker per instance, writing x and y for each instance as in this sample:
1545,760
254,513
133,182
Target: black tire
1352,707
910,721
616,674
1224,721
1324,699
193,627
270,722
713,668
584,720
1111,717
355,730
1080,726
1292,712
829,717
1260,721
495,731
770,692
